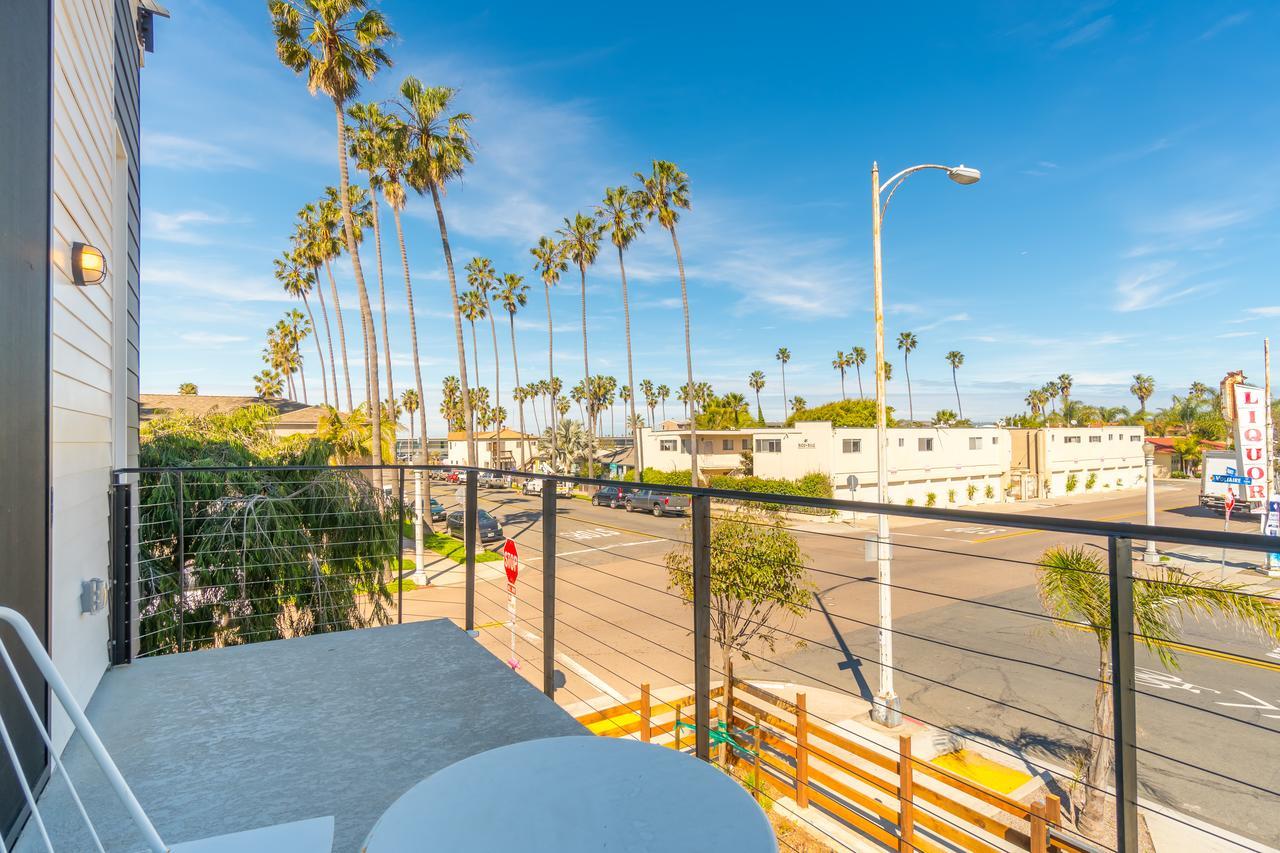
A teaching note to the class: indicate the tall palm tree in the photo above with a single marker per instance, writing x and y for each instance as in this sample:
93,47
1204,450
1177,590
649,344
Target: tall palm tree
663,193
650,397
1143,387
798,404
299,327
1065,381
1052,391
955,358
473,306
334,41
907,342
841,363
1198,390
1074,588
580,244
514,295
783,355
756,382
549,263
328,222
624,221
311,244
369,141
859,357
440,148
483,280
663,392
411,403
736,404
292,272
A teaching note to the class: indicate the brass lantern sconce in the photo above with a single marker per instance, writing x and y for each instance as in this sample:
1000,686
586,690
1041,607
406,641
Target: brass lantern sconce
88,265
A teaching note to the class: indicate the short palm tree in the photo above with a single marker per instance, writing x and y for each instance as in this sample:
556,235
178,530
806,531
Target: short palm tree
798,404
1143,387
756,382
663,392
473,307
1074,587
483,280
662,194
311,245
293,273
736,404
513,294
268,384
907,342
188,389
328,225
955,358
859,358
1065,381
783,355
841,363
335,42
299,327
650,397
549,263
440,148
411,403
580,245
623,220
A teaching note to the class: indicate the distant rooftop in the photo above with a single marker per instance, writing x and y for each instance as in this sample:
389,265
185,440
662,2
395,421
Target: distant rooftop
292,413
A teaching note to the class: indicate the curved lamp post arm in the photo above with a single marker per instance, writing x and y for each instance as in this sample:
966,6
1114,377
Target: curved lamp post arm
896,181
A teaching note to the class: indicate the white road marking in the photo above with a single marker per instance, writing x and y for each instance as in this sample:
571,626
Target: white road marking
599,548
978,531
593,533
587,675
1274,653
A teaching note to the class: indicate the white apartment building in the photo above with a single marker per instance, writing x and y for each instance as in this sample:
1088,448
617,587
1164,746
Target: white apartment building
956,466
719,450
508,449
1057,461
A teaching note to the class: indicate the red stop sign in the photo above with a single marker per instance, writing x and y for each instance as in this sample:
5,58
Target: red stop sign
510,560
1231,500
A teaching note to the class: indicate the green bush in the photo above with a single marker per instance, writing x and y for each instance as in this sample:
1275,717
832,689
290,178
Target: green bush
813,485
989,492
1091,481
843,413
1072,482
971,490
931,499
667,478
911,501
951,496
1178,475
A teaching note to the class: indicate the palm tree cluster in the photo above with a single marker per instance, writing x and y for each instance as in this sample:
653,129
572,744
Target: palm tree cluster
283,357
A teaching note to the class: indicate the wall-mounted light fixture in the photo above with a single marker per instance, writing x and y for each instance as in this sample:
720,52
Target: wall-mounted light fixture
88,266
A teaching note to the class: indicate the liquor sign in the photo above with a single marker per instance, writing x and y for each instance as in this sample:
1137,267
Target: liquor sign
1251,441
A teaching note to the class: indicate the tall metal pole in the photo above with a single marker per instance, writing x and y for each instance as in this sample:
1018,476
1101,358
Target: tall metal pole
701,543
549,588
1124,732
1149,458
470,517
886,709
419,562
399,540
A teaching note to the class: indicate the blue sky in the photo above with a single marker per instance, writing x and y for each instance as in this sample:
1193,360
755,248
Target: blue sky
1126,221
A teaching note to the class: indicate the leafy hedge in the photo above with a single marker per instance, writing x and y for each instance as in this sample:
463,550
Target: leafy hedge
813,485
843,413
666,478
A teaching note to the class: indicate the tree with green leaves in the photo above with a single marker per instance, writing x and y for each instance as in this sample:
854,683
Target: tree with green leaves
663,193
580,245
650,398
844,413
513,294
798,404
1143,387
624,221
335,42
859,358
955,358
759,583
484,281
663,391
311,245
268,384
473,307
756,383
410,402
944,418
188,389
297,279
841,363
783,355
440,148
573,446
549,263
1074,588
1065,382
907,343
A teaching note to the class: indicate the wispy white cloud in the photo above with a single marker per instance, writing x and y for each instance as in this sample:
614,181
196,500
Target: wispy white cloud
1155,284
1235,335
1224,23
201,278
950,318
1091,31
171,151
211,339
189,227
1265,311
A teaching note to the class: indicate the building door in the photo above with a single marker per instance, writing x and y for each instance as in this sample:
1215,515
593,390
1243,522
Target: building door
25,41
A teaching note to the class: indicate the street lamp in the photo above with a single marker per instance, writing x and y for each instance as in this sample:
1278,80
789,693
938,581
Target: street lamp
886,709
1149,460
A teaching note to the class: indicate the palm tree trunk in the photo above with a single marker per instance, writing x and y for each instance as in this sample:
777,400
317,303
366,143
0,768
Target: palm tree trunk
302,374
786,410
861,396
515,361
688,360
586,371
342,337
497,380
631,382
955,384
911,406
475,360
382,291
1098,773
319,350
366,311
457,328
328,335
551,371
423,458
842,394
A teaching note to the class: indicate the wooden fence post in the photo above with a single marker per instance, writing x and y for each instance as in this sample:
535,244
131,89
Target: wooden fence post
802,752
646,712
676,728
1052,816
1039,831
906,803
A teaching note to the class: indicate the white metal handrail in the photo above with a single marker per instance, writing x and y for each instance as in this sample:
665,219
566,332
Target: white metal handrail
60,689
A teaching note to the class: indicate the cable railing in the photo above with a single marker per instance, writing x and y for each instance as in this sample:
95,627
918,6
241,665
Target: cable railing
1042,704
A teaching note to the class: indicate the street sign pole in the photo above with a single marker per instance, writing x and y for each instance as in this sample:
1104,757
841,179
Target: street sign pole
511,562
1271,527
1226,526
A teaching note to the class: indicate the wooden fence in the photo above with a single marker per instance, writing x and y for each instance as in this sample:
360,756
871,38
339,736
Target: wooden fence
901,801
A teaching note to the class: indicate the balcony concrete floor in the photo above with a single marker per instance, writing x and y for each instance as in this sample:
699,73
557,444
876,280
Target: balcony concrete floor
338,724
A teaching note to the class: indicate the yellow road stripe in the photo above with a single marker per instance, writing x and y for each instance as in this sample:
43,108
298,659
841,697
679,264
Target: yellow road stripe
1121,517
1192,650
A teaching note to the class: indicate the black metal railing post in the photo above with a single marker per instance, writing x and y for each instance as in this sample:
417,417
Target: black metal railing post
121,648
399,540
549,588
1124,726
701,539
470,517
180,559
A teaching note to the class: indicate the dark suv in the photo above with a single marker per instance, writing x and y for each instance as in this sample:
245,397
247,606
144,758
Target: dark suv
612,496
487,526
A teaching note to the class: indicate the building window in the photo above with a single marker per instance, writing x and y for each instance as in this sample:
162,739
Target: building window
746,444
901,443
1095,439
726,444
975,442
1071,439
852,445
667,445
768,445
1131,438
924,444
995,439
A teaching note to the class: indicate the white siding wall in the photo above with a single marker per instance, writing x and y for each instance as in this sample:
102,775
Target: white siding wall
1112,456
712,454
87,335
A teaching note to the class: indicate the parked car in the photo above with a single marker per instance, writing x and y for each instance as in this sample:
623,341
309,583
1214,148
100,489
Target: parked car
612,496
489,527
437,510
489,480
533,486
658,503
453,476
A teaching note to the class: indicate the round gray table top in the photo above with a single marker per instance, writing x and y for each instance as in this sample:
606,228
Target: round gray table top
576,793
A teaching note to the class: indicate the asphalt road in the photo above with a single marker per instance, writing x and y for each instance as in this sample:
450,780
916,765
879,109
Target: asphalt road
973,651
